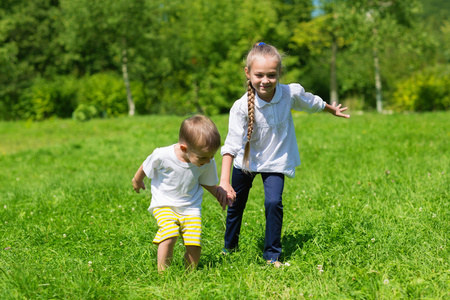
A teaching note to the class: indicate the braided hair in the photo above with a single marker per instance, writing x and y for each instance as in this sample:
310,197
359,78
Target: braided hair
258,50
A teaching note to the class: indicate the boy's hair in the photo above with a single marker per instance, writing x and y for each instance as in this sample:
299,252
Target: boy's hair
200,133
258,50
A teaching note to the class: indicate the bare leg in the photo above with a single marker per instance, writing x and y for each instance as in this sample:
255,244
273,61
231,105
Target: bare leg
165,253
192,257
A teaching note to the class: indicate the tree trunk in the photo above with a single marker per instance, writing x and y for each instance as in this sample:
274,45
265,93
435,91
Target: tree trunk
333,80
131,106
376,64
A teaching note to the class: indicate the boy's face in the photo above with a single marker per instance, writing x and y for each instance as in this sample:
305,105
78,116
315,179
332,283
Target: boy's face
199,158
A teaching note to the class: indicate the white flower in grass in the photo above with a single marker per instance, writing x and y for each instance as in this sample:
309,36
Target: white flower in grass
386,281
4,207
319,267
420,208
89,263
373,240
64,235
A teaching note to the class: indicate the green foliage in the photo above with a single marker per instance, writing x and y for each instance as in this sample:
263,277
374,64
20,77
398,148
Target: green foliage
106,92
84,112
186,56
427,90
46,99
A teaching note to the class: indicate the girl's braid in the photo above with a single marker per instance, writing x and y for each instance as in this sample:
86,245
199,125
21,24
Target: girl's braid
251,120
251,108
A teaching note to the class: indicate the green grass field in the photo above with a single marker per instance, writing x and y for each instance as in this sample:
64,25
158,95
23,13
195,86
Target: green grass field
366,217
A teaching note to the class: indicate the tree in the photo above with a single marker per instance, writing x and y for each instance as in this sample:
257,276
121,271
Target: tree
104,35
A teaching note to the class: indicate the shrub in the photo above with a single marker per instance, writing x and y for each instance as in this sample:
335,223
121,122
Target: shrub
84,112
106,92
427,90
49,98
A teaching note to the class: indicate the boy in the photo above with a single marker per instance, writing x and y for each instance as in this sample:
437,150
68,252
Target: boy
178,173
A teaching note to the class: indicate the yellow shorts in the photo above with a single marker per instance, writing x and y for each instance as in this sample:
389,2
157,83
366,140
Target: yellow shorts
171,224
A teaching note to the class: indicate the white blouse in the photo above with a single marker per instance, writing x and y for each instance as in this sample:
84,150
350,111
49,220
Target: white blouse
273,145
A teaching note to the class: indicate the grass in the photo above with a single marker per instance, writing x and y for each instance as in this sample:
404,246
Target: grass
366,217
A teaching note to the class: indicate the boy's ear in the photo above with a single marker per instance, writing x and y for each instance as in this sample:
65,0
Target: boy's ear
183,147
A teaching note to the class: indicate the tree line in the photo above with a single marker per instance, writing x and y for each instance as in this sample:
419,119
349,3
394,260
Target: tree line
92,58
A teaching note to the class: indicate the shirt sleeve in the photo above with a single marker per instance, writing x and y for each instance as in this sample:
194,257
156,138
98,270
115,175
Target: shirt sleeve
209,176
151,164
304,101
237,128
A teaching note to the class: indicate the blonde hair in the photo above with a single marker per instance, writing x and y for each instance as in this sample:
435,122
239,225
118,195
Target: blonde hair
258,50
200,133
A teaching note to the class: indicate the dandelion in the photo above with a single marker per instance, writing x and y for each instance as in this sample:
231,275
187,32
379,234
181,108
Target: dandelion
386,281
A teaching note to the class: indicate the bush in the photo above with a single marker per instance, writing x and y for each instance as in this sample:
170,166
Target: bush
427,90
106,92
49,98
84,112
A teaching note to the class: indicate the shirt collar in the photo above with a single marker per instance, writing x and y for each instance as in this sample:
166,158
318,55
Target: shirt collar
276,98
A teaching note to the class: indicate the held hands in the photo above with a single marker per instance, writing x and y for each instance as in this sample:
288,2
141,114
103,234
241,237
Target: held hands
225,195
336,110
137,185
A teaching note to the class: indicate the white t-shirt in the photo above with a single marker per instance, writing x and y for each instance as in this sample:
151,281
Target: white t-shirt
177,184
273,145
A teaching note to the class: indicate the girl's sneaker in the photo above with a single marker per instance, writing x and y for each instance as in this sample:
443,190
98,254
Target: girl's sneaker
275,263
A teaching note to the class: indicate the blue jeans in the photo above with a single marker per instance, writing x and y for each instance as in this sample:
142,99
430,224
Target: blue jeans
273,190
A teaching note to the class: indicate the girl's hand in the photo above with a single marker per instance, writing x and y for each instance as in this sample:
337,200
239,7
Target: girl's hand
137,185
230,193
336,110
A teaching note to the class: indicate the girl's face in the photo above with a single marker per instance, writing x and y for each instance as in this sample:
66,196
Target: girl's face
263,74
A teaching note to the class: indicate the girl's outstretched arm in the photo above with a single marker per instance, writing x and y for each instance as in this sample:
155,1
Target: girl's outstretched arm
336,110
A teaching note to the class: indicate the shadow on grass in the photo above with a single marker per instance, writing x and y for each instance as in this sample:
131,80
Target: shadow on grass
292,241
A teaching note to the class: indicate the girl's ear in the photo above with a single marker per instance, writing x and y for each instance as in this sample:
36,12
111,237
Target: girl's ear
247,72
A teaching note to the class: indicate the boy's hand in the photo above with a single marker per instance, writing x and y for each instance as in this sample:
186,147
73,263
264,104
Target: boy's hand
137,185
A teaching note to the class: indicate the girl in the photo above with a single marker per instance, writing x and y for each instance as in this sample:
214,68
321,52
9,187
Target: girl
261,140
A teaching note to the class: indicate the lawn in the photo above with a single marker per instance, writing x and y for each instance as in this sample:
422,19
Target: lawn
366,217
